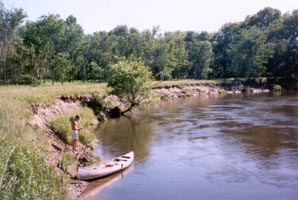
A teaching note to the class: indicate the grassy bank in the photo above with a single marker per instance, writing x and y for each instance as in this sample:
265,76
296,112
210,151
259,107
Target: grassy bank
23,149
48,92
23,172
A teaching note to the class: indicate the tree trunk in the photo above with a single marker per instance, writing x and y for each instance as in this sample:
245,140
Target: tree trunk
129,108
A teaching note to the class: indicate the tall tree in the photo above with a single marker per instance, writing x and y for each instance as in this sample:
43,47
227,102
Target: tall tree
72,45
60,67
200,58
249,53
220,45
290,28
263,18
45,39
10,21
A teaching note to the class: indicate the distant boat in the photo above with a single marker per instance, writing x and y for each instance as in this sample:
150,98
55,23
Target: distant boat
105,168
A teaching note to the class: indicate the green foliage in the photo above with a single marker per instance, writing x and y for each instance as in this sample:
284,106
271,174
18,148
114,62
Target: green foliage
10,20
62,128
249,53
96,104
200,57
129,81
60,67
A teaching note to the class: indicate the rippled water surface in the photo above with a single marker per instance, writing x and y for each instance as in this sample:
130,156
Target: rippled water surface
234,147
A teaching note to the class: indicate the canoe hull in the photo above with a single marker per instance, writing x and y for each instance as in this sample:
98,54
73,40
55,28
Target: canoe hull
106,168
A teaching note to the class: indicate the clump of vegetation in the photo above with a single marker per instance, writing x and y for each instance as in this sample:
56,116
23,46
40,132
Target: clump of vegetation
97,105
61,125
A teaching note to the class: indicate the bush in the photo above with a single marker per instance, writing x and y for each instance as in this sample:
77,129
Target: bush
96,104
29,80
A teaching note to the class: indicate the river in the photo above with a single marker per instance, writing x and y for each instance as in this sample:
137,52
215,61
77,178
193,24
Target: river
232,147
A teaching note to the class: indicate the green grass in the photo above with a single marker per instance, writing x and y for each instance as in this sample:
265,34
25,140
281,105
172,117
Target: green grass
47,93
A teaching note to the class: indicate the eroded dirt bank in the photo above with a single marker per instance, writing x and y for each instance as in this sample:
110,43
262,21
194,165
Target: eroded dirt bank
42,118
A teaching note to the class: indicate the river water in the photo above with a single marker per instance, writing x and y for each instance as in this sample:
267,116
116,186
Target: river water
232,147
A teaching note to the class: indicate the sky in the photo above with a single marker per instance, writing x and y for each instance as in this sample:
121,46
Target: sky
169,15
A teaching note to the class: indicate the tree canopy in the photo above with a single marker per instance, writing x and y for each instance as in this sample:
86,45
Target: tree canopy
52,48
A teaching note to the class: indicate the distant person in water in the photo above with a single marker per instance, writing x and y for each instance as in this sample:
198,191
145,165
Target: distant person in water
75,127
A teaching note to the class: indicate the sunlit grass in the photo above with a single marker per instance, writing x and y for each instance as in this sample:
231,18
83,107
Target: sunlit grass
46,93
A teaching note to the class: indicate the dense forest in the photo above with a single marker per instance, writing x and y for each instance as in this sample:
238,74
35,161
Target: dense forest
51,48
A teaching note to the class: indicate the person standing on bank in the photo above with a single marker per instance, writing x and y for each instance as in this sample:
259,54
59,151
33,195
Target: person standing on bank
75,127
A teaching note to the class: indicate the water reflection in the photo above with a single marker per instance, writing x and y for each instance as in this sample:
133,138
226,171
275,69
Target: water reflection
122,135
233,147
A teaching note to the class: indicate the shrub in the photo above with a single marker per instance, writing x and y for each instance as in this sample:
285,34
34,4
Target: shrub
96,104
